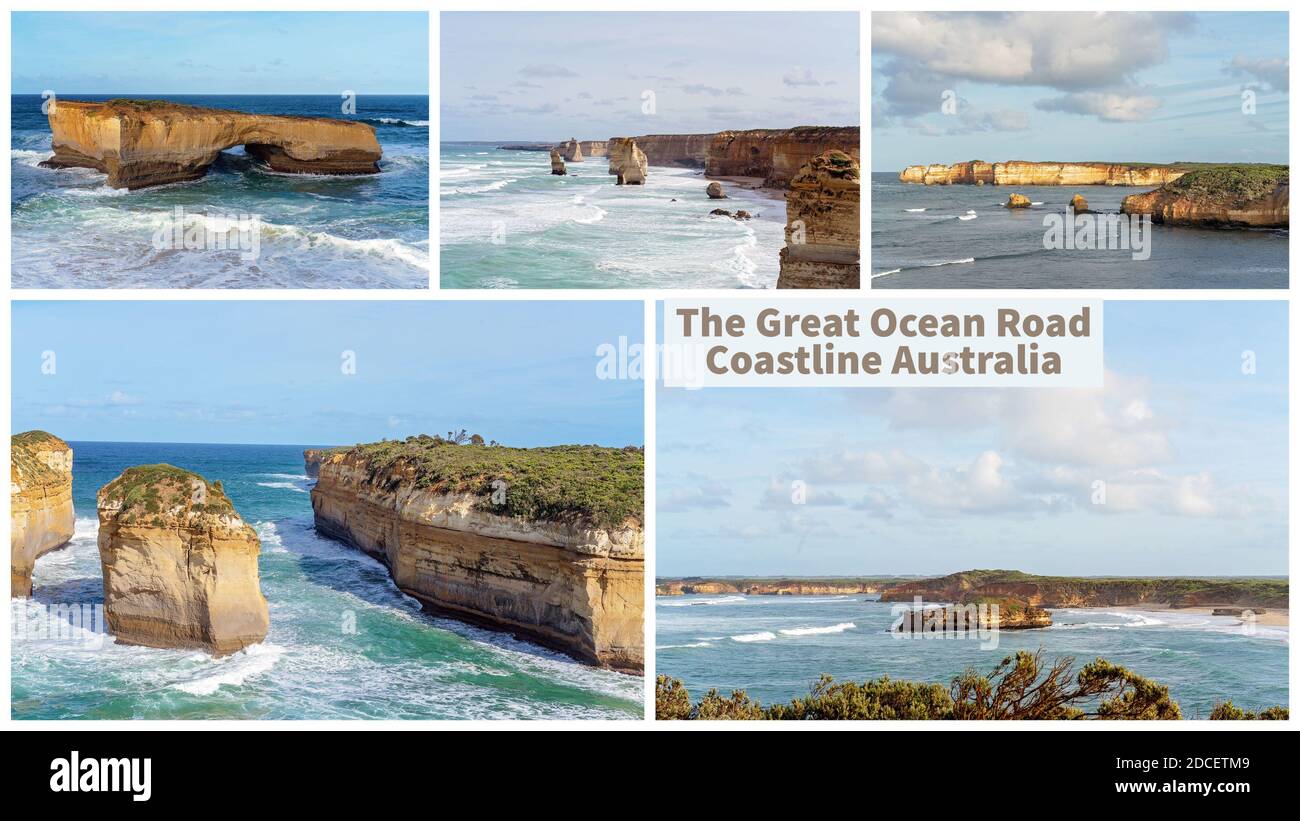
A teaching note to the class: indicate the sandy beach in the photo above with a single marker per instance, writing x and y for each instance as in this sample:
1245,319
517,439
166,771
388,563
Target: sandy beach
1269,617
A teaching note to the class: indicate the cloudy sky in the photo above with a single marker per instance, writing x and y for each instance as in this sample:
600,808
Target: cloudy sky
523,373
554,75
220,52
1119,86
1191,451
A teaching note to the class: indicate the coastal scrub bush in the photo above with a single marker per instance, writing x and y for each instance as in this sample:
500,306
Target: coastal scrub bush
1018,688
586,484
1227,711
1231,184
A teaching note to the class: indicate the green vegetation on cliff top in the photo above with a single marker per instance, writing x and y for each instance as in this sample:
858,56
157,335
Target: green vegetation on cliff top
566,483
1175,590
147,491
1231,184
22,450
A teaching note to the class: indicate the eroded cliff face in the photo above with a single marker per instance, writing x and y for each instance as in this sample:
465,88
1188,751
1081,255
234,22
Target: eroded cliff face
40,503
180,565
594,148
144,143
777,155
568,585
627,161
1008,615
1170,206
312,459
823,225
1019,172
683,150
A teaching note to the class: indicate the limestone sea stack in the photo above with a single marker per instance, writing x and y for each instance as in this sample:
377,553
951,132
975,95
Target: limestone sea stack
627,162
40,503
180,565
992,614
1244,196
776,155
1019,172
715,192
1018,201
823,225
141,143
571,150
546,543
557,162
1079,204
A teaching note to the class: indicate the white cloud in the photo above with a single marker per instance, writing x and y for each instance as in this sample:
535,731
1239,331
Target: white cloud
1274,73
799,76
1115,108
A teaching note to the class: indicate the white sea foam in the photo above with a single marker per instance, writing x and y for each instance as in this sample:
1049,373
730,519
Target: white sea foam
684,646
965,217
950,262
232,670
913,210
886,273
746,638
283,486
697,602
817,631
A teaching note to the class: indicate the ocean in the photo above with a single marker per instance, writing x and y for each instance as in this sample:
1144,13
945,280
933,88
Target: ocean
399,663
923,236
775,647
70,230
506,222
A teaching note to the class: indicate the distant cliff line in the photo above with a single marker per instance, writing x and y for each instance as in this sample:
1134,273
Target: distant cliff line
1038,591
1021,172
773,155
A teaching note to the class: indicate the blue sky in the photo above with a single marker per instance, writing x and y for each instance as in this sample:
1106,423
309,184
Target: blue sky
523,373
1117,87
220,52
555,75
1193,454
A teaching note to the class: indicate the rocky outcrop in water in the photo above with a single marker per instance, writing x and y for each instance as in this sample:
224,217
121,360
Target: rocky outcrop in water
1079,204
1227,197
557,163
1003,614
571,151
141,143
545,542
627,162
823,224
715,192
41,516
180,565
776,155
1019,172
1018,201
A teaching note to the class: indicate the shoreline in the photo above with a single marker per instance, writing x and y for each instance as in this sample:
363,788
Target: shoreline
1271,617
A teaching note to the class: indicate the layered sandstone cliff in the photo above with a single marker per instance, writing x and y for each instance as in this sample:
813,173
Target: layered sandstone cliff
627,161
546,542
993,614
180,565
777,154
40,503
1057,591
1019,172
312,458
140,143
684,150
1232,197
593,148
823,225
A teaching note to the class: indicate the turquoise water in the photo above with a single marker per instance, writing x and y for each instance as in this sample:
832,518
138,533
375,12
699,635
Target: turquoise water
775,647
70,230
399,663
506,222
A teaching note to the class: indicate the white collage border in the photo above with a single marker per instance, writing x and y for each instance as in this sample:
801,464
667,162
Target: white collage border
647,296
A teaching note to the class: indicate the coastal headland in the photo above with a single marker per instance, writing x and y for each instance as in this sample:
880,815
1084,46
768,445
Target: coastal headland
143,143
547,543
